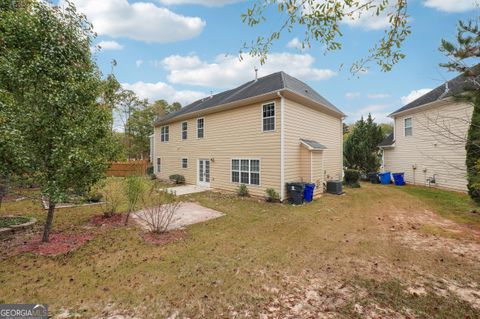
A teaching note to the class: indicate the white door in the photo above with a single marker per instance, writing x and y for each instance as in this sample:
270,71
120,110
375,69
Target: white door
204,172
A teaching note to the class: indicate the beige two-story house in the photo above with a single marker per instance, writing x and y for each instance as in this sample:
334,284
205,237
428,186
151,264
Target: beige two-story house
428,141
264,133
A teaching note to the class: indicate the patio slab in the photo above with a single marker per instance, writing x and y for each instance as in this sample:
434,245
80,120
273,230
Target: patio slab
188,213
188,189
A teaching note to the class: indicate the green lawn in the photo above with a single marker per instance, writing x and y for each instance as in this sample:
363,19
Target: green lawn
340,255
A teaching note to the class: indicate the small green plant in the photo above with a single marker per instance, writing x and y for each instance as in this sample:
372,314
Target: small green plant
177,179
242,190
271,195
112,193
352,178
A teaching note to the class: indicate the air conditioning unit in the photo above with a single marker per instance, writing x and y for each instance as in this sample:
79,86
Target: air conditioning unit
334,187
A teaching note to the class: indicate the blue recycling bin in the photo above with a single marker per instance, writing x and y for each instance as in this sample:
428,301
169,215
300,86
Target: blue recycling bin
385,178
308,192
398,179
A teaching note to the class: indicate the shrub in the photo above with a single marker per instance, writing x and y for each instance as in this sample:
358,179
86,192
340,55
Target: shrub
94,196
177,179
352,177
159,210
112,193
242,190
150,170
135,187
271,195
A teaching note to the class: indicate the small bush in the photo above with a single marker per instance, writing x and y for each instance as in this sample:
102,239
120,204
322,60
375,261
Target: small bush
150,171
159,209
242,190
271,195
177,179
94,197
113,196
352,178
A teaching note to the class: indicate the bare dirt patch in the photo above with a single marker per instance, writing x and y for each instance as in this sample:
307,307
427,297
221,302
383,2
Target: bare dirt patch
57,245
165,238
102,220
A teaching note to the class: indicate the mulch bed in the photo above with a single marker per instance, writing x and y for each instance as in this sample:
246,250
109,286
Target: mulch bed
165,238
58,244
102,220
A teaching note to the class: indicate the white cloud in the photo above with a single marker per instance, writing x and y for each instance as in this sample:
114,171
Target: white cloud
226,71
352,95
452,5
110,45
295,43
139,63
378,111
208,3
160,90
378,95
143,21
413,95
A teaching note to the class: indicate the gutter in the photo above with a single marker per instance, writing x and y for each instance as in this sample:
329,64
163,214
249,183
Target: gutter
282,146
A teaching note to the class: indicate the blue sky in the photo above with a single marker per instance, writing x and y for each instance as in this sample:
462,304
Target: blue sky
185,49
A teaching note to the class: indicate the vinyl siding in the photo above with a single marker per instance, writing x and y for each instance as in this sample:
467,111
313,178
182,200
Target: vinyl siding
437,146
307,123
234,133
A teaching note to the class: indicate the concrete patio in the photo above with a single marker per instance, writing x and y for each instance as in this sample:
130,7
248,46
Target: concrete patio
188,189
187,214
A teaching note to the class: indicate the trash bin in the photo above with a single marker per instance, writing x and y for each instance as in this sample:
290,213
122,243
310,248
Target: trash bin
308,192
398,179
385,178
295,193
373,177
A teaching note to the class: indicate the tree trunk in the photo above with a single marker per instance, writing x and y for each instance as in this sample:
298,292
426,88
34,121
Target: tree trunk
48,223
126,218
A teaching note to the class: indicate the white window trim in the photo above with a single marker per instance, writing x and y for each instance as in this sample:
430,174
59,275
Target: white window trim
274,117
181,131
163,134
405,127
156,165
200,118
249,171
181,162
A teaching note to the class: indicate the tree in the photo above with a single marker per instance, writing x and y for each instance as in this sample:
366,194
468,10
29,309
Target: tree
321,22
360,148
52,86
387,128
463,57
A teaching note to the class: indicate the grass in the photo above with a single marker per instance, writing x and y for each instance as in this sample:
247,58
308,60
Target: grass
11,221
452,205
228,266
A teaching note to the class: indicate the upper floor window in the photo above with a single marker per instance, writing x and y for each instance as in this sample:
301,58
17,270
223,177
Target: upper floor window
408,126
246,171
184,130
200,128
268,116
164,134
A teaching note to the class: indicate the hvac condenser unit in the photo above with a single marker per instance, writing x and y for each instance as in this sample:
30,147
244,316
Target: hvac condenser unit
334,187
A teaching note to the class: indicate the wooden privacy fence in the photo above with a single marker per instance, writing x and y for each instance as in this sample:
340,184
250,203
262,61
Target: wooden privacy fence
122,169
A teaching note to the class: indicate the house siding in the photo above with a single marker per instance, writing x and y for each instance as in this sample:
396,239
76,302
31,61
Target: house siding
303,122
234,133
431,148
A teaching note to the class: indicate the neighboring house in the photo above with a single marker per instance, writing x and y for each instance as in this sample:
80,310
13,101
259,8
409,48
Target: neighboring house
429,136
264,133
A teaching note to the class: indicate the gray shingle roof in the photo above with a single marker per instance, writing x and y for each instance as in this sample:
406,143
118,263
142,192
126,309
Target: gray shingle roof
267,84
387,141
314,145
449,88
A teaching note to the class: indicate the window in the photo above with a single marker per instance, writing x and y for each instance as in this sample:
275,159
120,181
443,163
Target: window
184,130
408,126
159,164
184,162
164,133
200,128
268,116
246,171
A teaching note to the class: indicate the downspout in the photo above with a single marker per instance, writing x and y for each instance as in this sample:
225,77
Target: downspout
282,146
311,169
